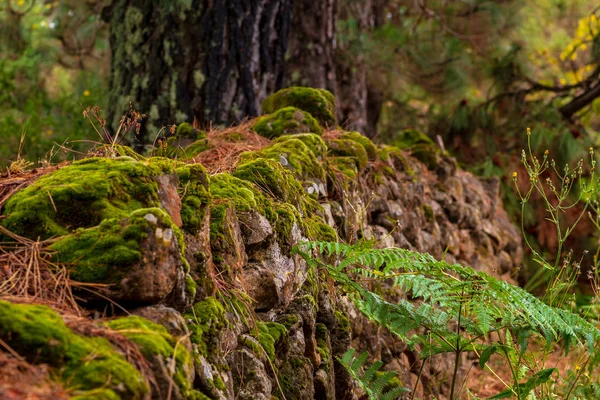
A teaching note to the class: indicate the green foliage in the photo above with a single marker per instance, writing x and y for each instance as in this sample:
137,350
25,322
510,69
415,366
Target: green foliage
375,384
452,295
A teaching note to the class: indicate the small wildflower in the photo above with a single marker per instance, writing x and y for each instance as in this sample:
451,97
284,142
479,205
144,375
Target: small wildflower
546,152
528,131
514,175
86,93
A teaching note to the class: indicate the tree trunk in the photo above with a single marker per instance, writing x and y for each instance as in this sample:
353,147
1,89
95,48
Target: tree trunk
359,104
310,60
209,61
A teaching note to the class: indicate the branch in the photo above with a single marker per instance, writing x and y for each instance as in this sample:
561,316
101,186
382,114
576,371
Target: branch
579,102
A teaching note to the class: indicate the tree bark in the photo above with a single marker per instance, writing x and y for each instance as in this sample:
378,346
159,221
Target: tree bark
310,60
360,104
208,61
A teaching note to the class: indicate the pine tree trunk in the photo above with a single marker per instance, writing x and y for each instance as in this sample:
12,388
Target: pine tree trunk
211,61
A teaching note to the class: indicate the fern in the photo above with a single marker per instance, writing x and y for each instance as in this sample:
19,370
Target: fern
377,385
451,295
486,303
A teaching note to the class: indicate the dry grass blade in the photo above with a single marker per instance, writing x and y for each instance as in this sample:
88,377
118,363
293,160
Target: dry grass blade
27,271
227,146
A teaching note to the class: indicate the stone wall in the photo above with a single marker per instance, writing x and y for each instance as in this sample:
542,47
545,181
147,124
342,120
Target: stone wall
220,308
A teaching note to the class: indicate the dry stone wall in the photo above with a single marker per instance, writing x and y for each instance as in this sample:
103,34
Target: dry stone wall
210,296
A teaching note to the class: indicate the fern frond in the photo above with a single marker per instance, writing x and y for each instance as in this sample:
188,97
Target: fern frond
377,385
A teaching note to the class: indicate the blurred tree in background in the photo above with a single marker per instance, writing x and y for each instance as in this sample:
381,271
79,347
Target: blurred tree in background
53,59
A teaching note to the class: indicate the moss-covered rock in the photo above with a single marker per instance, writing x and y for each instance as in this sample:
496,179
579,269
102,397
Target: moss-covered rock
320,103
83,194
186,130
364,141
287,120
314,143
349,148
269,335
271,177
194,194
162,351
294,155
84,363
139,256
205,321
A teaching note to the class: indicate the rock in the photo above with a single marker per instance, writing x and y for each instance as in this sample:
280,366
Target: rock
255,228
318,102
139,257
250,378
169,198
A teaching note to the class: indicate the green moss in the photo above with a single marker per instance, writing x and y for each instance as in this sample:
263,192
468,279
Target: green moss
364,141
219,384
39,334
243,194
289,320
103,254
97,394
343,323
420,146
349,148
428,212
316,229
82,195
268,335
195,148
205,320
287,216
322,346
271,177
194,194
345,166
286,121
318,102
294,155
314,143
154,340
393,156
190,287
185,130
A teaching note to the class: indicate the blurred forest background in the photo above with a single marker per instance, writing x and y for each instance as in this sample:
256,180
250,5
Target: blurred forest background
471,74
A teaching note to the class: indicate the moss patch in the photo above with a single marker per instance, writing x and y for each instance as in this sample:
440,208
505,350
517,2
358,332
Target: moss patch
349,148
271,177
153,340
194,194
84,363
320,103
314,143
269,334
205,320
294,155
82,195
103,254
286,121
